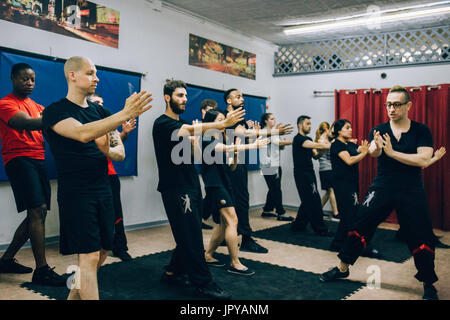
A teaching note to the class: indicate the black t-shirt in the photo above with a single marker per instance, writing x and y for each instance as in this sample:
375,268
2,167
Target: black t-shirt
302,156
391,172
81,166
214,169
243,156
241,123
341,170
177,172
233,134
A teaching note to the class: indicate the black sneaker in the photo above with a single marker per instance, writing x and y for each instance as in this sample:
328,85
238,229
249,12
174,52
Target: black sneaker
333,274
250,245
206,226
336,218
371,253
267,214
123,255
213,291
242,272
284,217
441,245
47,277
12,266
176,280
429,292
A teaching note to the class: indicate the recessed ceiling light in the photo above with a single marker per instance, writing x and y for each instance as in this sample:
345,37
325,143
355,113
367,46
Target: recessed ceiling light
369,19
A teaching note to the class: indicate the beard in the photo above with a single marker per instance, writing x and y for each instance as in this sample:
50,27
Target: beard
305,130
176,108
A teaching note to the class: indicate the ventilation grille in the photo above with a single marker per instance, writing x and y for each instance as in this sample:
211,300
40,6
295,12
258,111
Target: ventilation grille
370,51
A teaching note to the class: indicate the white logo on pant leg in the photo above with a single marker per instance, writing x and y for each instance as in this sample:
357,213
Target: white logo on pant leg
355,199
369,198
186,203
314,188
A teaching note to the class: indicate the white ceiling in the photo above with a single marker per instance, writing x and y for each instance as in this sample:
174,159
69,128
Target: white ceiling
265,19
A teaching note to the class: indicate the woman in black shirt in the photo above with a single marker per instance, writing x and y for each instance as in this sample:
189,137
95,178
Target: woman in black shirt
219,192
345,156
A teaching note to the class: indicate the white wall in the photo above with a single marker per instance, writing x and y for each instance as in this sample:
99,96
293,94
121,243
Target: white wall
294,96
153,42
157,43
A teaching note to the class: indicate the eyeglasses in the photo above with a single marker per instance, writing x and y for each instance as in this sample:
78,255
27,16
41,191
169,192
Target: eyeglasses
396,105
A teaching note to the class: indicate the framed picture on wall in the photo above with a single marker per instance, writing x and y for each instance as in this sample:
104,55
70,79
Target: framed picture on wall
74,18
216,56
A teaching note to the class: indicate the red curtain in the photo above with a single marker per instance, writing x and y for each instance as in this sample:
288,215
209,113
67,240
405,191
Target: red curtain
430,105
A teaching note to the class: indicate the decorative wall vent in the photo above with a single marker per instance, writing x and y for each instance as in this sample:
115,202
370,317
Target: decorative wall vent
423,46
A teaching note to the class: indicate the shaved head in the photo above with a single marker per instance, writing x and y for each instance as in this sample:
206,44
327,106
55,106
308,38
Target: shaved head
74,64
81,75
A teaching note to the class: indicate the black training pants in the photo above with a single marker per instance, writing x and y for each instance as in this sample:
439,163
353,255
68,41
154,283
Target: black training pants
274,198
183,212
239,180
120,239
347,198
310,210
412,212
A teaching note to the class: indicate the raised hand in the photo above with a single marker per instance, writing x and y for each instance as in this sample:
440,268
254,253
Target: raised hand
250,124
439,153
137,103
387,145
378,140
261,142
256,125
128,126
234,117
284,129
364,147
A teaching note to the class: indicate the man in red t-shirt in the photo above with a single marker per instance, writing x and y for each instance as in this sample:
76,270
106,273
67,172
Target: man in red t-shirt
23,155
120,248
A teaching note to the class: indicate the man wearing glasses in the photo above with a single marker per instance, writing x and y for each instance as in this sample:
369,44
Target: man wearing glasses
402,147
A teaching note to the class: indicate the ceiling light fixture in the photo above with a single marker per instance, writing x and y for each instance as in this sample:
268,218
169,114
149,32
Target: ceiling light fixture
366,19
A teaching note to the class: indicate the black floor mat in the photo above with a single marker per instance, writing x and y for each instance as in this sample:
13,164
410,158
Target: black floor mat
139,279
383,240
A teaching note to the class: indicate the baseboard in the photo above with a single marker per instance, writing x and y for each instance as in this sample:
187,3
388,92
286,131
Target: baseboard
55,239
139,226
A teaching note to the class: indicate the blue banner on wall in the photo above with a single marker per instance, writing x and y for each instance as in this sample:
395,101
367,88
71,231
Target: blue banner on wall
51,86
254,109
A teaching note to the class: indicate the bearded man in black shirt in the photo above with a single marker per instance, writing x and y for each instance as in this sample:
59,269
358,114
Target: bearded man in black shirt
179,185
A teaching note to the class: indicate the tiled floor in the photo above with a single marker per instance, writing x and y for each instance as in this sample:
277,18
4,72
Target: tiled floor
397,281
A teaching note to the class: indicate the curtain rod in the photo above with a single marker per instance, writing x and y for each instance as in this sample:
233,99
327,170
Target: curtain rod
348,91
318,91
365,91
